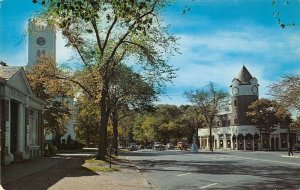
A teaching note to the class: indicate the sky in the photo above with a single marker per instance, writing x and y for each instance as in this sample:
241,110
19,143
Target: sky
216,38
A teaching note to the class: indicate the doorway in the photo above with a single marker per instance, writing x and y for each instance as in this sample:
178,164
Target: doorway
272,144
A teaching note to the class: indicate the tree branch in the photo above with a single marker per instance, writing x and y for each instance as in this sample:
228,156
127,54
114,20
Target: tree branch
108,34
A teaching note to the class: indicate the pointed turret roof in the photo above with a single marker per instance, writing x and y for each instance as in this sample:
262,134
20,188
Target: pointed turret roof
244,76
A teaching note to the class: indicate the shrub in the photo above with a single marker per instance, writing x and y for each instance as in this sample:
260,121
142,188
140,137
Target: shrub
52,150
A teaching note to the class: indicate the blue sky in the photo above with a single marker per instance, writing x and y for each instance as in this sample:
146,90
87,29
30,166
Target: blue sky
216,38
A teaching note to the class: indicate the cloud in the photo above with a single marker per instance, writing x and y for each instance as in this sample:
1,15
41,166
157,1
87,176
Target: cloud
63,53
219,56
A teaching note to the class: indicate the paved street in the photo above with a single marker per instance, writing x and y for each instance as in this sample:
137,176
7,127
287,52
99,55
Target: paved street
218,170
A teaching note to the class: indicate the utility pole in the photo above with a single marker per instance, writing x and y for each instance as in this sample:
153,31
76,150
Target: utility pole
288,141
1,82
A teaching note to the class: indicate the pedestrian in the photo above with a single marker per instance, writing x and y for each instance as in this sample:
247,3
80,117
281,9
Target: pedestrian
46,149
290,149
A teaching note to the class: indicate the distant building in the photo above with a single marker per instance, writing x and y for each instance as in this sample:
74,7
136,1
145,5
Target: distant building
42,40
234,129
20,117
70,133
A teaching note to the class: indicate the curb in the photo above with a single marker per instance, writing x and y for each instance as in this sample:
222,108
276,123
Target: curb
140,173
286,156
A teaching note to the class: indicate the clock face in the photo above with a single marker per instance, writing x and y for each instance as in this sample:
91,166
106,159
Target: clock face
41,41
254,89
235,90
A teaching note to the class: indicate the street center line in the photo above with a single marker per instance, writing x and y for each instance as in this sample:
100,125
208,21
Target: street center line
183,174
208,185
264,160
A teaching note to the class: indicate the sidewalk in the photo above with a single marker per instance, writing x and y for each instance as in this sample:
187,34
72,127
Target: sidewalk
295,155
65,172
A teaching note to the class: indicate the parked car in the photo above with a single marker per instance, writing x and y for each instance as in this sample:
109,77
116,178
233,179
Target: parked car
170,146
296,147
158,146
132,147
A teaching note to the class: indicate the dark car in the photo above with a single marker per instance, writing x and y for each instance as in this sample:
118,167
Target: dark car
132,147
296,147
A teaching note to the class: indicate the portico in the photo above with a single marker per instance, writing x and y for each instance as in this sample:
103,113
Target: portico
21,117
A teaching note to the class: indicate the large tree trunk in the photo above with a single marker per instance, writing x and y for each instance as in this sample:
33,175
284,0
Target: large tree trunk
210,139
104,116
114,121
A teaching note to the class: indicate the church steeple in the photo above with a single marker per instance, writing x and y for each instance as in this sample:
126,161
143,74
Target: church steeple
41,40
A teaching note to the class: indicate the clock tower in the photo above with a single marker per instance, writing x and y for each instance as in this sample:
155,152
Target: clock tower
41,40
244,91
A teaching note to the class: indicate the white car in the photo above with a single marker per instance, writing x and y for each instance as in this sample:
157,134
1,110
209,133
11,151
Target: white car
158,146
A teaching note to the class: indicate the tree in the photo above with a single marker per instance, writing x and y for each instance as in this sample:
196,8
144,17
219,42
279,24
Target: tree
105,34
163,124
287,91
267,114
86,121
56,112
208,100
129,94
145,129
192,119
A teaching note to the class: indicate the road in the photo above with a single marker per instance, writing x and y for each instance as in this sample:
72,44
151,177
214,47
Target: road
169,170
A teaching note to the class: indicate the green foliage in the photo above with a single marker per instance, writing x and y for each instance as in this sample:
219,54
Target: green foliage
87,121
52,150
130,90
56,116
167,123
267,114
98,166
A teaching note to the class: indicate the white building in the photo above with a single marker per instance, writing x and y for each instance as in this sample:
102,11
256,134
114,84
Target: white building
20,117
234,129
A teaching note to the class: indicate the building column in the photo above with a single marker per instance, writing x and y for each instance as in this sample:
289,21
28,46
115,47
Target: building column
200,143
253,143
224,141
26,154
207,142
231,142
244,142
21,127
9,157
279,143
